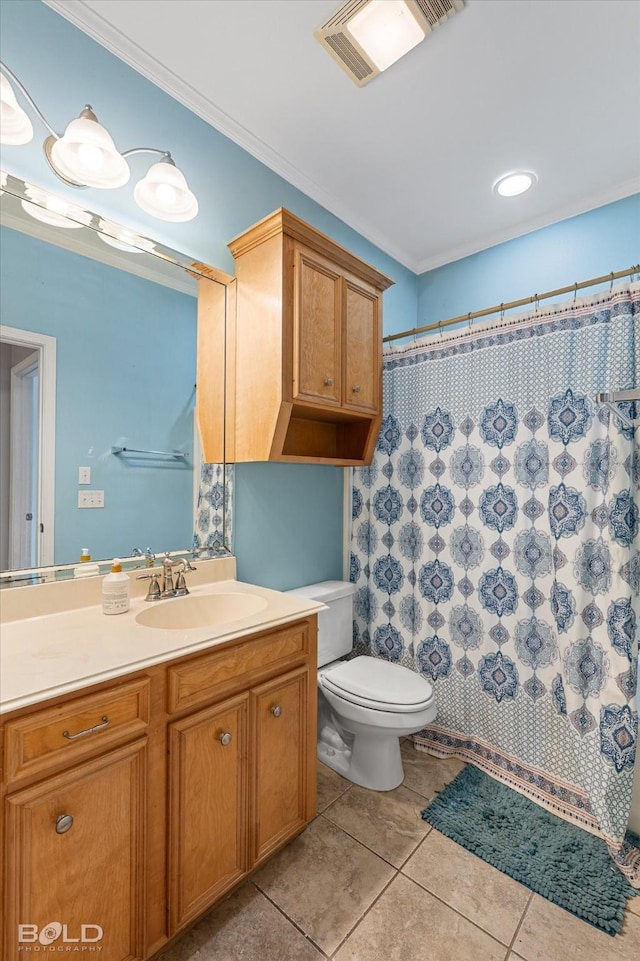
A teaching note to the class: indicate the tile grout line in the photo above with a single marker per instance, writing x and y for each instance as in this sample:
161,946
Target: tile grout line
519,925
365,845
363,916
456,911
290,920
399,871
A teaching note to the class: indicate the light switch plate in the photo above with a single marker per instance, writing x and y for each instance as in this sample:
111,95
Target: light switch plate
84,475
90,498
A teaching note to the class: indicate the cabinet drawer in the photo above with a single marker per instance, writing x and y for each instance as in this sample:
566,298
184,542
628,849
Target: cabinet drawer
59,736
222,672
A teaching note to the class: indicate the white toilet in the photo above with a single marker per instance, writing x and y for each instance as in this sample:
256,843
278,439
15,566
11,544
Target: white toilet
365,704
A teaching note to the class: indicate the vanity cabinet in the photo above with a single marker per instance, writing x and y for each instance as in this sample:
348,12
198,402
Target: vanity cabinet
207,808
281,795
304,383
133,807
242,776
75,842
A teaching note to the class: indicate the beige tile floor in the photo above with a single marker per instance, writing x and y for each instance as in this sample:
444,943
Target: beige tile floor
369,880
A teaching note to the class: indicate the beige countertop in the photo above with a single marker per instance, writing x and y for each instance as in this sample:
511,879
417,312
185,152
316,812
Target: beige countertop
57,651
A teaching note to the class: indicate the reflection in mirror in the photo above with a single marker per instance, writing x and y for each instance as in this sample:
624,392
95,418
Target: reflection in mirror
98,445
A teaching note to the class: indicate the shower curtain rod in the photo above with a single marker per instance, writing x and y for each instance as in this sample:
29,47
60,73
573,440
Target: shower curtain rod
500,308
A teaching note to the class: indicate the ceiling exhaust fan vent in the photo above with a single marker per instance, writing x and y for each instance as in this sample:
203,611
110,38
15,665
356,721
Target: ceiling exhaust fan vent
343,50
335,37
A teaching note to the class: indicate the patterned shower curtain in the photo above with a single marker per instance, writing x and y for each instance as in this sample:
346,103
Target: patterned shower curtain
495,549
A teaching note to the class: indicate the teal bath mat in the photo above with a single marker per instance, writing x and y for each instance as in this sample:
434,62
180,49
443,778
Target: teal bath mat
555,859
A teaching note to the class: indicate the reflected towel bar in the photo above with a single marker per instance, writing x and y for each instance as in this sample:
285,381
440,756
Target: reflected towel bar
610,398
175,454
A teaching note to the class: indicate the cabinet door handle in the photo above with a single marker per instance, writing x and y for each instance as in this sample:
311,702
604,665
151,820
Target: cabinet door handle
328,382
90,730
225,739
276,710
63,823
356,388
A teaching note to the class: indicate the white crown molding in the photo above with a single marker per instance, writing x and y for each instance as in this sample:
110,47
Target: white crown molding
142,62
625,189
78,242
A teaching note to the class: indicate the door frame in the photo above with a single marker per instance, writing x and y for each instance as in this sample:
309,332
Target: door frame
23,465
46,347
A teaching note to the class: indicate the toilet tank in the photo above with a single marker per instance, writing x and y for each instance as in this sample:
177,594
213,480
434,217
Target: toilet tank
335,624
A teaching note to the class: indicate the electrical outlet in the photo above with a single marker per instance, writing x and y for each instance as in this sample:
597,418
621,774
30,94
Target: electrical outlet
84,475
90,498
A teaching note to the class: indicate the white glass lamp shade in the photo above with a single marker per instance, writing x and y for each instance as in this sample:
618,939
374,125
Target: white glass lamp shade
386,30
51,209
87,155
164,194
15,126
122,238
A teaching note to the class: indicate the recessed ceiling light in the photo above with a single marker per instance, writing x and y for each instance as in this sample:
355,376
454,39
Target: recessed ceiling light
510,185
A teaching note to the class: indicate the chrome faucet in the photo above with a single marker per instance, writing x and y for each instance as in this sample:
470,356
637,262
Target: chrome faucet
157,592
148,555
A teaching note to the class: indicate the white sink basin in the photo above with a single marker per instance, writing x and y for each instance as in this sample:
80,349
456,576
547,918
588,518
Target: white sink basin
197,611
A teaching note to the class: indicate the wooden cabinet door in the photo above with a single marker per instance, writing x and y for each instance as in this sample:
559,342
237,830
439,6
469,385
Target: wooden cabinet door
280,769
86,870
362,347
316,328
208,807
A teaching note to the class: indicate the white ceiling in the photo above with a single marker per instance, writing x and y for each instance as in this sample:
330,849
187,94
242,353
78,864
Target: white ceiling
551,86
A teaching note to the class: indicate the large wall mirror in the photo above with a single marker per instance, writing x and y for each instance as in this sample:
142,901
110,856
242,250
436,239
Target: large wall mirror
99,447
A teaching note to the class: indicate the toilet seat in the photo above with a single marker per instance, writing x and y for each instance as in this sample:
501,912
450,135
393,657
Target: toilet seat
379,685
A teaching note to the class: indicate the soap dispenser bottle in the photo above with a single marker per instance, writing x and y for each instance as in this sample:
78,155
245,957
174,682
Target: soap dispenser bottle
115,590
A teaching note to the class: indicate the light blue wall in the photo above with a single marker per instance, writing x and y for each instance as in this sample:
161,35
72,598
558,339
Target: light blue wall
63,69
119,379
590,245
312,515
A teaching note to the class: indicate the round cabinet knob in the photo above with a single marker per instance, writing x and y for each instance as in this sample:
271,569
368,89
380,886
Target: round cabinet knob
356,388
63,823
225,739
328,382
276,710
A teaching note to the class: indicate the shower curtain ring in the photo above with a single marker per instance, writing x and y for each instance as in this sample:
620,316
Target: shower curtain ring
611,285
440,328
575,290
502,312
537,300
469,320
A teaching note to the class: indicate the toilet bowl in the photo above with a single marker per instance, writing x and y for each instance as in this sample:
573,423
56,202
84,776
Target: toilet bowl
370,704
365,704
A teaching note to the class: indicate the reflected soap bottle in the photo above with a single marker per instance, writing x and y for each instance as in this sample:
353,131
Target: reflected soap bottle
85,568
115,590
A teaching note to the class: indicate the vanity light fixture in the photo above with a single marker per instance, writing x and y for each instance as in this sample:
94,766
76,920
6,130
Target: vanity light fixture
123,239
15,124
53,210
165,189
86,156
510,185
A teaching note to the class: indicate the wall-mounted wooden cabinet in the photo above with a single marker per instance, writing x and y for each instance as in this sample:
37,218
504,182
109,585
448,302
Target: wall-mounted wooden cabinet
304,348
